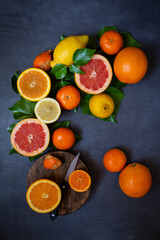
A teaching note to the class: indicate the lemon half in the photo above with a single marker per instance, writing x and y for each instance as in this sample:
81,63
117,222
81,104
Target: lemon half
47,110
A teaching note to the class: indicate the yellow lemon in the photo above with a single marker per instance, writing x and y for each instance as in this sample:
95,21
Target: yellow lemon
63,53
101,105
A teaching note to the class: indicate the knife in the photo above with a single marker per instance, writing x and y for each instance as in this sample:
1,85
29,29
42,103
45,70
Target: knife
64,185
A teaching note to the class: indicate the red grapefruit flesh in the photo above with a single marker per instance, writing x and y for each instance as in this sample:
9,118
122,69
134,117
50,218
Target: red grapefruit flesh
30,137
97,77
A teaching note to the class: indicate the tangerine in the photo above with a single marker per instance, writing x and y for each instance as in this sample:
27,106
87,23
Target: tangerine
111,42
51,162
79,180
130,65
114,160
135,180
43,61
63,138
68,97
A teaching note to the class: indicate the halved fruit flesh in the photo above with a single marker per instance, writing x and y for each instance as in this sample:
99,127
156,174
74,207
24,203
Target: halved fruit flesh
97,77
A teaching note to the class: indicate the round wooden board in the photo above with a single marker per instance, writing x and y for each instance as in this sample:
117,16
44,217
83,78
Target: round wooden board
71,200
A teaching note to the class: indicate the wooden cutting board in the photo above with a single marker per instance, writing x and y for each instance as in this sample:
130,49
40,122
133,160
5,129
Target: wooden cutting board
71,200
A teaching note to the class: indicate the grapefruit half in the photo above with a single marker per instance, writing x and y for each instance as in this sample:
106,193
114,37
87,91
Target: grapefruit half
97,77
30,137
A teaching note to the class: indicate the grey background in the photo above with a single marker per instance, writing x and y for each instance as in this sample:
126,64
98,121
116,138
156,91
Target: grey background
30,27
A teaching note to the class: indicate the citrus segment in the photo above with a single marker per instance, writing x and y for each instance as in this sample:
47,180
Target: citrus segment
43,196
79,180
33,84
47,110
97,77
30,137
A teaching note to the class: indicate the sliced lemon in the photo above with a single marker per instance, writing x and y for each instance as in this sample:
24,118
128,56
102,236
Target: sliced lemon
47,110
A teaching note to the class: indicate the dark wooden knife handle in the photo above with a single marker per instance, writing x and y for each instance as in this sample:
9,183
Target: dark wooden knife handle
54,213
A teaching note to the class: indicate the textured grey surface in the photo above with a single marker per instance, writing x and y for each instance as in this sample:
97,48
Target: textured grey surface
30,27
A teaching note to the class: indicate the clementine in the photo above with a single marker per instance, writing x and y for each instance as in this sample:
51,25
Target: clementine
43,61
114,160
111,42
79,180
135,180
68,97
63,138
130,65
51,162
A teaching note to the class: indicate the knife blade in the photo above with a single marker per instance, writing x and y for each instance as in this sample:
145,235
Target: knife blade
64,185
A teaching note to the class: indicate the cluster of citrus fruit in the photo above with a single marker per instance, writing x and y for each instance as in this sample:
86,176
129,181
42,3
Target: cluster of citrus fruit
134,180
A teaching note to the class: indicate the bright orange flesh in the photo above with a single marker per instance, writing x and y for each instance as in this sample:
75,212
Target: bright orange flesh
97,77
34,84
43,196
79,180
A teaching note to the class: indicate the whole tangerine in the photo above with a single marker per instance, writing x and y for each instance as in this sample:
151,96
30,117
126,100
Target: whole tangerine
63,138
135,180
111,42
114,160
130,65
68,97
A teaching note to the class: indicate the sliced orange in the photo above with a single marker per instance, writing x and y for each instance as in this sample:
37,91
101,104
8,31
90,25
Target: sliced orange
79,180
97,77
43,196
33,84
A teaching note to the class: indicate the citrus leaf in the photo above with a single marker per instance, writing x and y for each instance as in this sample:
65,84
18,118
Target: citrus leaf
33,158
116,95
75,69
13,151
128,40
14,81
23,109
10,128
66,124
105,29
116,83
62,37
69,76
58,86
83,56
75,109
92,43
59,71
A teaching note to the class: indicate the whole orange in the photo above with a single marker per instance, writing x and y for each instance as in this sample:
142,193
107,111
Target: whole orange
63,138
130,65
114,160
111,42
135,180
68,97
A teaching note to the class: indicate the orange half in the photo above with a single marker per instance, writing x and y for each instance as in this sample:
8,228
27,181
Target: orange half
79,180
33,84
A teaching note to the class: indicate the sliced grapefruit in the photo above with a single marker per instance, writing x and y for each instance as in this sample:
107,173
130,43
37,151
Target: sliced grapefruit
30,137
97,77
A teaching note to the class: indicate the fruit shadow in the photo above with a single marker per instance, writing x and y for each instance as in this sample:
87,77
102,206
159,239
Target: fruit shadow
127,152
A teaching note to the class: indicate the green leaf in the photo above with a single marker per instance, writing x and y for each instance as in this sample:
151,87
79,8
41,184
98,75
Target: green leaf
10,128
58,86
59,71
83,56
66,124
23,109
75,109
13,151
116,95
116,83
33,158
105,29
75,69
128,40
14,81
92,43
62,37
69,76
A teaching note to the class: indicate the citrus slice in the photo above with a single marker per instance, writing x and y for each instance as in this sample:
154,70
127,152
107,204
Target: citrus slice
33,84
47,110
43,196
30,137
79,180
97,77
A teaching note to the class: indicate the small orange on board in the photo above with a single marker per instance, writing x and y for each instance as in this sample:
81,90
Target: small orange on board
33,84
114,160
79,180
130,65
43,61
30,137
68,97
97,77
135,180
51,162
43,196
111,42
63,138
